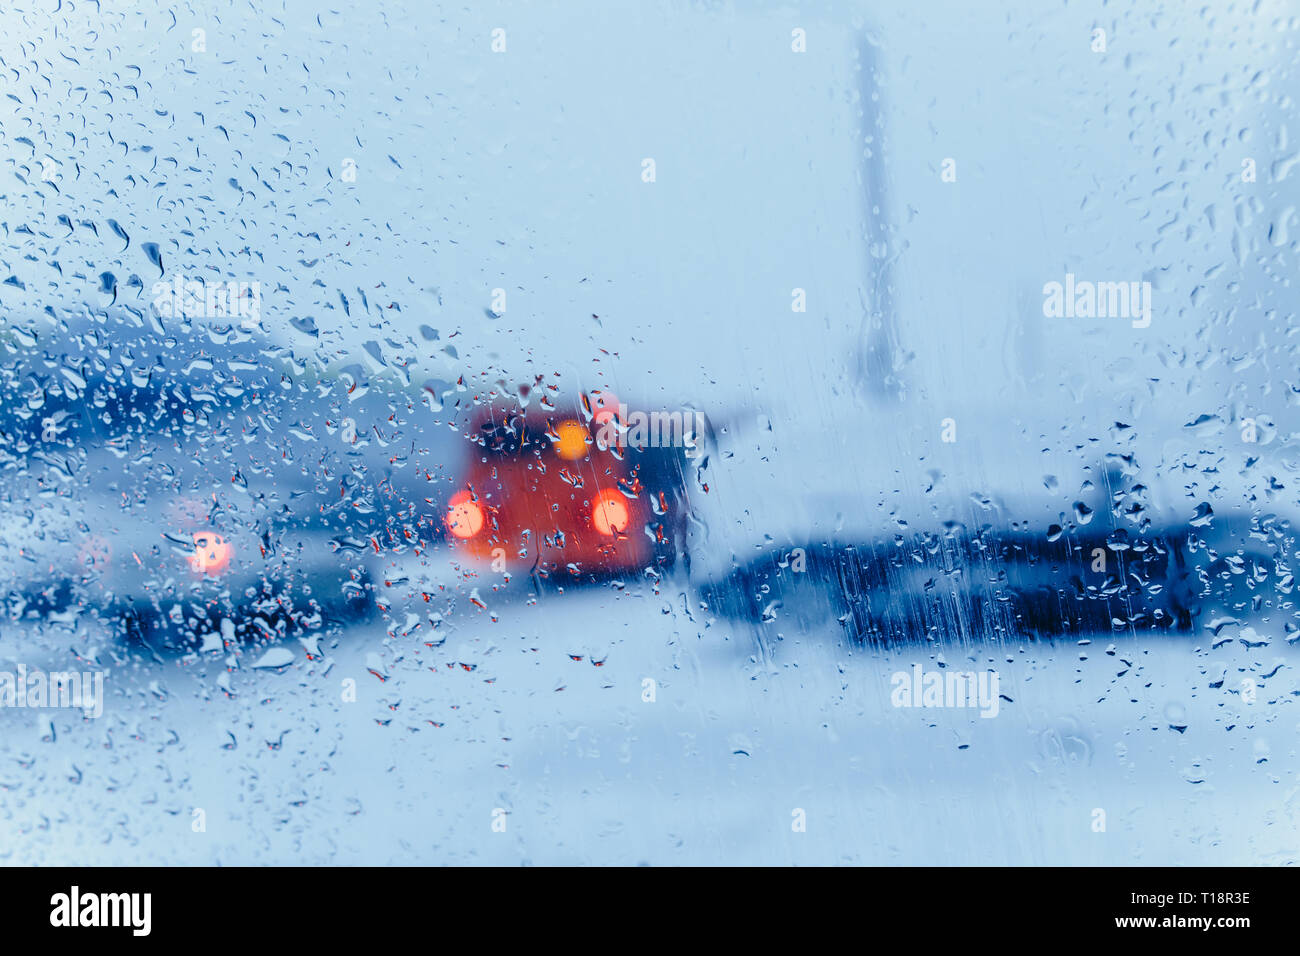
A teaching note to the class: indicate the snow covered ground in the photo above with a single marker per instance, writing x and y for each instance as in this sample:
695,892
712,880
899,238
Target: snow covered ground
542,714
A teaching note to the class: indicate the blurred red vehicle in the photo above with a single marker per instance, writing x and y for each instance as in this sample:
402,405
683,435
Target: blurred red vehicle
567,494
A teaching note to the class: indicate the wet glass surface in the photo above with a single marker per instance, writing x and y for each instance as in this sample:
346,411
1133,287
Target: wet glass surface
676,433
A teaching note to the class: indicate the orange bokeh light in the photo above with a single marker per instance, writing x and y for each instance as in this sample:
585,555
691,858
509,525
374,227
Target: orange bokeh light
572,443
609,513
464,516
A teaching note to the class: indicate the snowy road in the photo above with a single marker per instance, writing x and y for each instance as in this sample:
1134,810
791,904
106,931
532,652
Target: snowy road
516,716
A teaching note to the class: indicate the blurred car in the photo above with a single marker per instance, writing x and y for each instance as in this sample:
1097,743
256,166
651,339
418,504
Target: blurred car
962,585
156,494
575,494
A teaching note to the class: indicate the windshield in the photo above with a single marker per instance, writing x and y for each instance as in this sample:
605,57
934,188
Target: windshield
679,433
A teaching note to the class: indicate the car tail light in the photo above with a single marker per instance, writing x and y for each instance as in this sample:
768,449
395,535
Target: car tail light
609,513
212,553
464,516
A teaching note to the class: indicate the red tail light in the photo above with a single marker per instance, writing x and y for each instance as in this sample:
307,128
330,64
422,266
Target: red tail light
212,553
609,513
464,516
